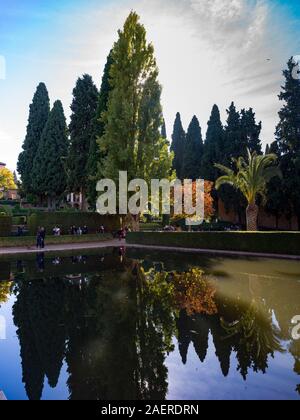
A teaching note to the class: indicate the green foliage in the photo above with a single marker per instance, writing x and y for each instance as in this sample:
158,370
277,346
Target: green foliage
164,130
259,242
251,176
38,116
213,147
95,155
65,220
193,152
178,146
288,144
251,131
5,225
132,141
235,144
81,129
49,174
241,134
6,210
150,226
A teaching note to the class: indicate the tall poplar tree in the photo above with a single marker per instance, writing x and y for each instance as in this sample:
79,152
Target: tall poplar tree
178,145
193,151
38,116
81,129
132,138
49,169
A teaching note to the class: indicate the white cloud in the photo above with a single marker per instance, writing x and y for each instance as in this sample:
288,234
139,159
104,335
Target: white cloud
208,51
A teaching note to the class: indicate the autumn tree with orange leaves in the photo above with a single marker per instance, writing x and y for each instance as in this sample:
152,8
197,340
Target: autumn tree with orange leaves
209,210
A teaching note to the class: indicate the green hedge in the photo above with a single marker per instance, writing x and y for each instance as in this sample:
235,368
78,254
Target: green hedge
150,226
9,203
65,220
19,220
5,225
29,241
260,242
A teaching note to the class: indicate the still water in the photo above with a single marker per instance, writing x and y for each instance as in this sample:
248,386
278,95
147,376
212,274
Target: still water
130,324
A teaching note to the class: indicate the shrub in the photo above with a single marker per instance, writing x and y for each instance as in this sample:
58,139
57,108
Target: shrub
258,242
65,220
5,225
150,226
6,210
19,220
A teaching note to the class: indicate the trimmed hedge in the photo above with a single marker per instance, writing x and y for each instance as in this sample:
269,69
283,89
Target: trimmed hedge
30,241
287,243
150,226
5,225
65,220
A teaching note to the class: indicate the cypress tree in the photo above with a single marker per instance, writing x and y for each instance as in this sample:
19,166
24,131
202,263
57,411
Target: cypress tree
81,129
95,156
267,150
164,130
38,116
49,172
178,145
235,146
288,138
250,131
213,147
193,151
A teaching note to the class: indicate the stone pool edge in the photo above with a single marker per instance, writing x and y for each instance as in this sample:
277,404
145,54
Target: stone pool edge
116,244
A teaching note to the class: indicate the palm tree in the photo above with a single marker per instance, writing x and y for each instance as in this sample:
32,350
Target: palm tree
251,178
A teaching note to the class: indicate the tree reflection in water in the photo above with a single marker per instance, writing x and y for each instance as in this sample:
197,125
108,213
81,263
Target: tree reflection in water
5,289
114,327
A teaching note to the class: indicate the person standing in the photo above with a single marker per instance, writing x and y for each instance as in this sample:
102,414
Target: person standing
38,238
43,237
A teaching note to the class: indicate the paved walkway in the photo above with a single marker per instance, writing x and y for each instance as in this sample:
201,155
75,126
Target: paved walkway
115,243
63,247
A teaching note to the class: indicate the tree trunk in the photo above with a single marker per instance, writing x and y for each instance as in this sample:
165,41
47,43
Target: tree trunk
49,203
252,215
84,205
133,222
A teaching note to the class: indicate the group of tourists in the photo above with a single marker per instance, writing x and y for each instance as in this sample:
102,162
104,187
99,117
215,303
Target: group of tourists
78,230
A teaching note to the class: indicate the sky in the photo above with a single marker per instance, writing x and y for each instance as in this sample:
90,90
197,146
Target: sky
208,51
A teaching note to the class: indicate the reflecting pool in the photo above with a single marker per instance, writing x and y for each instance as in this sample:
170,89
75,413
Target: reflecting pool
129,324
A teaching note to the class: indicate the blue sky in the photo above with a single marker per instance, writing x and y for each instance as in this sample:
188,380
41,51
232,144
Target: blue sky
208,51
